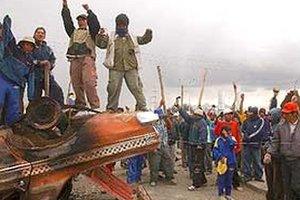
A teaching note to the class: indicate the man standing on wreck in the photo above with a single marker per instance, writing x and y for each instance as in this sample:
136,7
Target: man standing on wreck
81,53
122,60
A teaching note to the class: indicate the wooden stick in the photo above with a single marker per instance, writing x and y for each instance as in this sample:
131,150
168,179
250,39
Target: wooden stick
47,79
202,87
235,96
162,92
182,94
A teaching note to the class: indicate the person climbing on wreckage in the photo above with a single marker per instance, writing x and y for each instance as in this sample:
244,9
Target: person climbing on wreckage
122,60
16,69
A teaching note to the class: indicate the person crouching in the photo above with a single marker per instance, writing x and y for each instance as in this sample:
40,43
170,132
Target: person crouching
223,154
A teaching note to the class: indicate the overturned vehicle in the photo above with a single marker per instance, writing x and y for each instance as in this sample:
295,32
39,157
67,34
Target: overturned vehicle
49,146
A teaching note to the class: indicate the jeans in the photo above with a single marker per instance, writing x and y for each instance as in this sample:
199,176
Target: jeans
252,162
9,101
135,167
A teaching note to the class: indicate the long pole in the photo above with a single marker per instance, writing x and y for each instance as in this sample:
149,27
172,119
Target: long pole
235,96
182,95
202,87
162,91
46,79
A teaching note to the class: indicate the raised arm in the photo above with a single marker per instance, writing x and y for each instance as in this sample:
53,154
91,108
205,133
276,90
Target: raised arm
187,118
93,22
9,40
146,38
67,19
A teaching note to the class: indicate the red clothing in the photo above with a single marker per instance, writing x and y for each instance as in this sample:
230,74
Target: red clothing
235,131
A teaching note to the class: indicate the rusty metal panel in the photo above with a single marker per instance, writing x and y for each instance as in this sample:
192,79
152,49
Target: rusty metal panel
14,171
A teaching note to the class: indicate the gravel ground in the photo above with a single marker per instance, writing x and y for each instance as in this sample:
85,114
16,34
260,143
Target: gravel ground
84,189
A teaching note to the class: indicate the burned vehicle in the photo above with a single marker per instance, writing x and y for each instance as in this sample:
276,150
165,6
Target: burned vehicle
49,146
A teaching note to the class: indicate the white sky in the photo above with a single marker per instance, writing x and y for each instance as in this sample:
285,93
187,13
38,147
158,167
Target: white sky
232,37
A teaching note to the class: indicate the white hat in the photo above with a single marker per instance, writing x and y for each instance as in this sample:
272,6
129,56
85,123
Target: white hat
227,111
27,39
276,89
198,111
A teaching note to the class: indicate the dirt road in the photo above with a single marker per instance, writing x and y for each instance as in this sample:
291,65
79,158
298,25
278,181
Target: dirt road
84,189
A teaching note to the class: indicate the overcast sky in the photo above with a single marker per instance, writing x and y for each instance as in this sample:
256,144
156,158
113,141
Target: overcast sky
255,43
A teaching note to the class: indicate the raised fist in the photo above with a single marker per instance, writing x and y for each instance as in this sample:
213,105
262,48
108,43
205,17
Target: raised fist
85,6
242,96
65,2
103,32
149,31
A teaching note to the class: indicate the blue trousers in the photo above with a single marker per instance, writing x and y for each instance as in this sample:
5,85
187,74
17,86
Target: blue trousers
9,101
225,182
252,162
135,167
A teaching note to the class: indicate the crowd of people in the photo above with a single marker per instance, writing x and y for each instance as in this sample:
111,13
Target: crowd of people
240,145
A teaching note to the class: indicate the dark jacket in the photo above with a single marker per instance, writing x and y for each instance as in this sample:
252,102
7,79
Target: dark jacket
82,41
16,66
284,143
198,128
256,130
41,53
184,130
93,23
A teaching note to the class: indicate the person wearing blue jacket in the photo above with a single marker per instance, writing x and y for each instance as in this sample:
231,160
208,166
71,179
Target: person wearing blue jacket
45,58
256,131
16,70
223,152
197,140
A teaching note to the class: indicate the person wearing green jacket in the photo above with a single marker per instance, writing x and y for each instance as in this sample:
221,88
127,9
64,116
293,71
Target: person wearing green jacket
122,60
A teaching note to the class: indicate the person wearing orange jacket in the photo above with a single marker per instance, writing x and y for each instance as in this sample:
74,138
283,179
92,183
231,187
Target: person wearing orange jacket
235,131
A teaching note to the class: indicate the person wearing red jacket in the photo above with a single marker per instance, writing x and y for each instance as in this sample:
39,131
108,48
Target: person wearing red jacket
235,132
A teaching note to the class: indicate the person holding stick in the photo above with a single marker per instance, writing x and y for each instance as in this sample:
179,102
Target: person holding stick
46,59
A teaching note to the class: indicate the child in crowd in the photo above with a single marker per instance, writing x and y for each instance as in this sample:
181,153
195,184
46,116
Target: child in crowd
223,154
